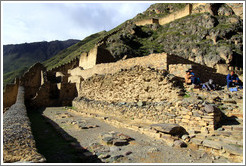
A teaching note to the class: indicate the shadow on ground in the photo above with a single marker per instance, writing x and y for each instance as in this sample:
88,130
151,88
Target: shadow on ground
54,143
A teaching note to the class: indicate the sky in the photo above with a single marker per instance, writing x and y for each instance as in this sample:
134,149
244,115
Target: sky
32,22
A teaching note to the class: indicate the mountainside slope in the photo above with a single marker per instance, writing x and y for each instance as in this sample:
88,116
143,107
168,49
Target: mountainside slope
18,57
203,38
208,38
74,51
211,35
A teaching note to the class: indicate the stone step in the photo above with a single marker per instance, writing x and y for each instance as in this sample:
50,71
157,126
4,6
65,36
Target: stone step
233,149
229,134
231,141
232,128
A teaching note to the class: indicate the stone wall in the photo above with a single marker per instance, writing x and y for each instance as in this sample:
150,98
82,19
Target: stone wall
178,65
88,60
132,85
65,67
147,21
169,18
157,61
47,95
148,95
174,64
18,142
32,80
97,55
67,93
9,95
189,9
176,15
193,117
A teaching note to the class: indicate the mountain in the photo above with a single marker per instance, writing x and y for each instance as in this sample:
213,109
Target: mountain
74,51
212,34
18,57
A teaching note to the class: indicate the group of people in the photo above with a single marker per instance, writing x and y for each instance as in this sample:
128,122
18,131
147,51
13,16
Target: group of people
232,81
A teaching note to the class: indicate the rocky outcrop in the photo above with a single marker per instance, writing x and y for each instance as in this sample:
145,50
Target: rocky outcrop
200,37
18,142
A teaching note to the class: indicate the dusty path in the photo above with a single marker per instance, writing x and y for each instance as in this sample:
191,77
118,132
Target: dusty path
95,135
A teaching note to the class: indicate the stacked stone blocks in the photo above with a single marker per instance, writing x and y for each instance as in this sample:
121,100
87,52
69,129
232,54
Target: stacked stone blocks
18,142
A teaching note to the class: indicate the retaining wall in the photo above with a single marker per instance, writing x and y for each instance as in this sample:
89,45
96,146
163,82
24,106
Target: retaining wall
158,61
178,65
9,96
147,21
18,142
176,15
194,119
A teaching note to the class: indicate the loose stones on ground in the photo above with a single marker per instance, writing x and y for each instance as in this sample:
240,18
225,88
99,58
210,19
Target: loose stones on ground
109,150
82,124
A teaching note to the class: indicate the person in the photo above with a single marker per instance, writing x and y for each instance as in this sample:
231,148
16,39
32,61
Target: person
233,80
191,72
208,85
194,80
188,78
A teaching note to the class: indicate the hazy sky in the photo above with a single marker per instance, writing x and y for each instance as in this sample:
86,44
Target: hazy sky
30,22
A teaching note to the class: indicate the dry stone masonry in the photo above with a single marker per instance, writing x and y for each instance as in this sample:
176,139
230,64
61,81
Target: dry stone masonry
148,91
132,85
18,142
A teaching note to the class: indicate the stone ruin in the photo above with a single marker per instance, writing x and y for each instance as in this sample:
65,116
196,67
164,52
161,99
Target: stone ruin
191,8
18,141
148,89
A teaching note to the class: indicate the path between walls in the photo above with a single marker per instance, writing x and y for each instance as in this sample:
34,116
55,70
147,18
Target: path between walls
95,135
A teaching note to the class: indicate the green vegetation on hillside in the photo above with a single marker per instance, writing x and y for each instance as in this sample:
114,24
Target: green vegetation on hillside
159,10
74,51
203,38
10,76
189,37
19,57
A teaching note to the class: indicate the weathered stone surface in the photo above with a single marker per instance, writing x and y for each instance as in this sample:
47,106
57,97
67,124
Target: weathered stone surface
213,144
179,143
115,138
136,84
104,156
108,140
154,149
128,153
230,101
114,158
172,129
18,141
140,103
209,108
196,141
114,149
120,142
234,149
185,137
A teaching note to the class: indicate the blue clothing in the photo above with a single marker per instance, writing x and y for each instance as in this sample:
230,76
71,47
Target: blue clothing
195,80
230,78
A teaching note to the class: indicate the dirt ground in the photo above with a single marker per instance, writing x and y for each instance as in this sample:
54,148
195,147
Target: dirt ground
141,149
